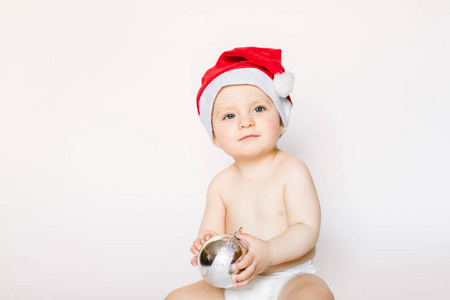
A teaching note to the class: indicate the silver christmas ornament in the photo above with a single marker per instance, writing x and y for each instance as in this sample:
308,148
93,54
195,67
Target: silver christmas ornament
217,258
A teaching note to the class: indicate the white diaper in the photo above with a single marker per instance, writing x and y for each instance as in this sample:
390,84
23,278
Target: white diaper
269,286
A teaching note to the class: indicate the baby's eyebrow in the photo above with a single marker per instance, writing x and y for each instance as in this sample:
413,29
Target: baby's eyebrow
223,110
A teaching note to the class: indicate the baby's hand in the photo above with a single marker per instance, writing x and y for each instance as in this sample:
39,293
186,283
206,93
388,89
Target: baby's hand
253,263
197,245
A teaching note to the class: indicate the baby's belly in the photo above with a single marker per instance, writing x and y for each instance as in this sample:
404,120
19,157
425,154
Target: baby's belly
265,224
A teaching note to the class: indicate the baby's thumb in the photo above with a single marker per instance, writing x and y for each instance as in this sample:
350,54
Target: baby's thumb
207,236
245,237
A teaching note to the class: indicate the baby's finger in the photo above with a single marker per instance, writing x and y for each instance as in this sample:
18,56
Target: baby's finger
198,243
244,275
194,250
245,262
207,236
194,261
243,283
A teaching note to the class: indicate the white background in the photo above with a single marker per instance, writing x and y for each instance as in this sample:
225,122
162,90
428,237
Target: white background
104,164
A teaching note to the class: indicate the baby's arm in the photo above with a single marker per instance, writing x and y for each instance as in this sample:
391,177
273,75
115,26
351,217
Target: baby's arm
213,222
303,211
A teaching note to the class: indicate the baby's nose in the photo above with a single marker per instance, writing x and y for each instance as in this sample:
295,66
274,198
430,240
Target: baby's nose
246,122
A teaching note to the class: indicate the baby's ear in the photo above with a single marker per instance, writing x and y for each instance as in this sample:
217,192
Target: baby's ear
281,127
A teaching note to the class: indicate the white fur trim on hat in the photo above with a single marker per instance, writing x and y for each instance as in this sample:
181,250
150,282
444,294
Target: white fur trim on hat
250,76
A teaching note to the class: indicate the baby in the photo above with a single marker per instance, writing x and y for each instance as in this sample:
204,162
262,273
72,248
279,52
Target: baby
244,104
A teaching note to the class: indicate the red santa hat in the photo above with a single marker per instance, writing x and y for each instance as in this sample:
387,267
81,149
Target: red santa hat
260,67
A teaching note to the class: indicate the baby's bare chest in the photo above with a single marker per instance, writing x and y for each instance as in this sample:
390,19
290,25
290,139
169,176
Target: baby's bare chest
258,207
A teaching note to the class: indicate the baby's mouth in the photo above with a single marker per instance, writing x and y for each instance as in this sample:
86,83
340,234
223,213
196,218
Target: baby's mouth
249,137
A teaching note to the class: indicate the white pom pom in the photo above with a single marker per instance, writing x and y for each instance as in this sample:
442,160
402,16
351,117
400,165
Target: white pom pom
284,83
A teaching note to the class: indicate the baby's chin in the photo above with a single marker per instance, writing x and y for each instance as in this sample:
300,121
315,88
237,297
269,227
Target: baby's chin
251,154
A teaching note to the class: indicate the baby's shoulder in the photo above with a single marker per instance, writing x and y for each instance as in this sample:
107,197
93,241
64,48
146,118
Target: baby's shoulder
287,160
290,165
223,177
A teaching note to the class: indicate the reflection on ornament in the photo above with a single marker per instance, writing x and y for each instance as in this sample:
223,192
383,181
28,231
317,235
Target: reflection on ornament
217,258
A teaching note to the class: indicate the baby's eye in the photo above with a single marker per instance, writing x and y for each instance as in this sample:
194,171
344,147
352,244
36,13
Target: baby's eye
259,109
228,116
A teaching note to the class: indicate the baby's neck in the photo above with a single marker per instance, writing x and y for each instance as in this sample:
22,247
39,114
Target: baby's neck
257,166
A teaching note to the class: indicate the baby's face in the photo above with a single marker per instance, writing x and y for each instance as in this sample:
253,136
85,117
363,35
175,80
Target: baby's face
245,121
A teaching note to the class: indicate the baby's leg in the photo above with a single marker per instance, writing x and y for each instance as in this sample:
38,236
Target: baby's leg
306,287
200,290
